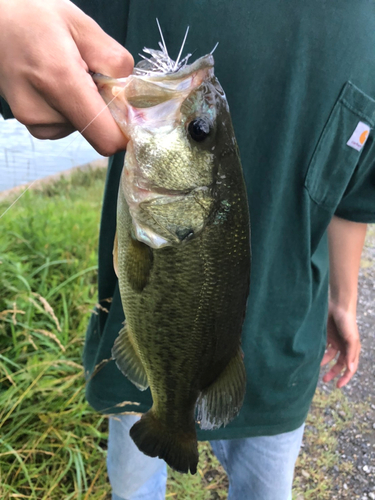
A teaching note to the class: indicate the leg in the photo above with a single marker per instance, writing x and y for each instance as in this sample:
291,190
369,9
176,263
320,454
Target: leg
260,468
132,474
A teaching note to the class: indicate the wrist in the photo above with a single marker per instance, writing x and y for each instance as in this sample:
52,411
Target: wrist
343,304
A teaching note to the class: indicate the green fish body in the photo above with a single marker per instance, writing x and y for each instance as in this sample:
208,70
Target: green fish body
182,255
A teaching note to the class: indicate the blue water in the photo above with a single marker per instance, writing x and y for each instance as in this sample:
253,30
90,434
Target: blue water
24,159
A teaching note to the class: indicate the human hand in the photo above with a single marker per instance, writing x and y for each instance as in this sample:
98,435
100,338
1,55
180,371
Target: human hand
46,52
342,338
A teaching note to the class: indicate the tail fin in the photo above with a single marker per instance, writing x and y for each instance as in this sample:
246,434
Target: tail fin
178,449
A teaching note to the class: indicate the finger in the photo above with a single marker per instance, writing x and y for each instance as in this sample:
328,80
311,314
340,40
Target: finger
352,367
100,52
346,377
73,95
335,370
89,114
42,121
52,131
329,355
30,108
353,348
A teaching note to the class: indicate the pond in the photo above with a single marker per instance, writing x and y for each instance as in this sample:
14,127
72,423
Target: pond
24,159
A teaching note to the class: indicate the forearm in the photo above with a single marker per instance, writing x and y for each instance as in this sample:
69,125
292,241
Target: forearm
346,240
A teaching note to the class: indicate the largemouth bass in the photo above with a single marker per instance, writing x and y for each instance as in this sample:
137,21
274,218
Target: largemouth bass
182,252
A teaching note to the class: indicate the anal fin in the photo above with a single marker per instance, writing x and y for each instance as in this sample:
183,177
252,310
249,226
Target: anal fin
220,402
128,360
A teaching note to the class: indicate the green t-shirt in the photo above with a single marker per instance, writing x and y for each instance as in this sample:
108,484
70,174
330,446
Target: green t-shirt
299,78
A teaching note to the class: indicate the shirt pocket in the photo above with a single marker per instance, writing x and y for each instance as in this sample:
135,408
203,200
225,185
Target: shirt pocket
334,161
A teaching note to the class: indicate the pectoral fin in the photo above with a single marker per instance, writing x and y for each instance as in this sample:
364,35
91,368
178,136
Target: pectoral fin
128,360
115,254
220,402
138,264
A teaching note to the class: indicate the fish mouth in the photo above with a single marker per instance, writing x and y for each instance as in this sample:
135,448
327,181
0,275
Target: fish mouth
138,99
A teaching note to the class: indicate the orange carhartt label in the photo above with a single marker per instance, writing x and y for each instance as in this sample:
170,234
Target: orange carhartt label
359,136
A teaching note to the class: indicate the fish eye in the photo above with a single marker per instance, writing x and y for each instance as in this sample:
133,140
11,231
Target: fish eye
199,129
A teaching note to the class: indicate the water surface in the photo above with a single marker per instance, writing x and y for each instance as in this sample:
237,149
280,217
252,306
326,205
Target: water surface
24,158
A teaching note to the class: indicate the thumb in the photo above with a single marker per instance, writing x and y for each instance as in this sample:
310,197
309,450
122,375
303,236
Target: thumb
99,51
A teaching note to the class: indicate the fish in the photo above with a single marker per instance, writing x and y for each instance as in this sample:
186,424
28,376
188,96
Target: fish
181,252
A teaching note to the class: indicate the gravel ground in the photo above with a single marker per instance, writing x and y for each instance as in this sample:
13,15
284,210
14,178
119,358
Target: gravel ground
354,472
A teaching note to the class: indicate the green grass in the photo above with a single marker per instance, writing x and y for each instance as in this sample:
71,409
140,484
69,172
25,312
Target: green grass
52,445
